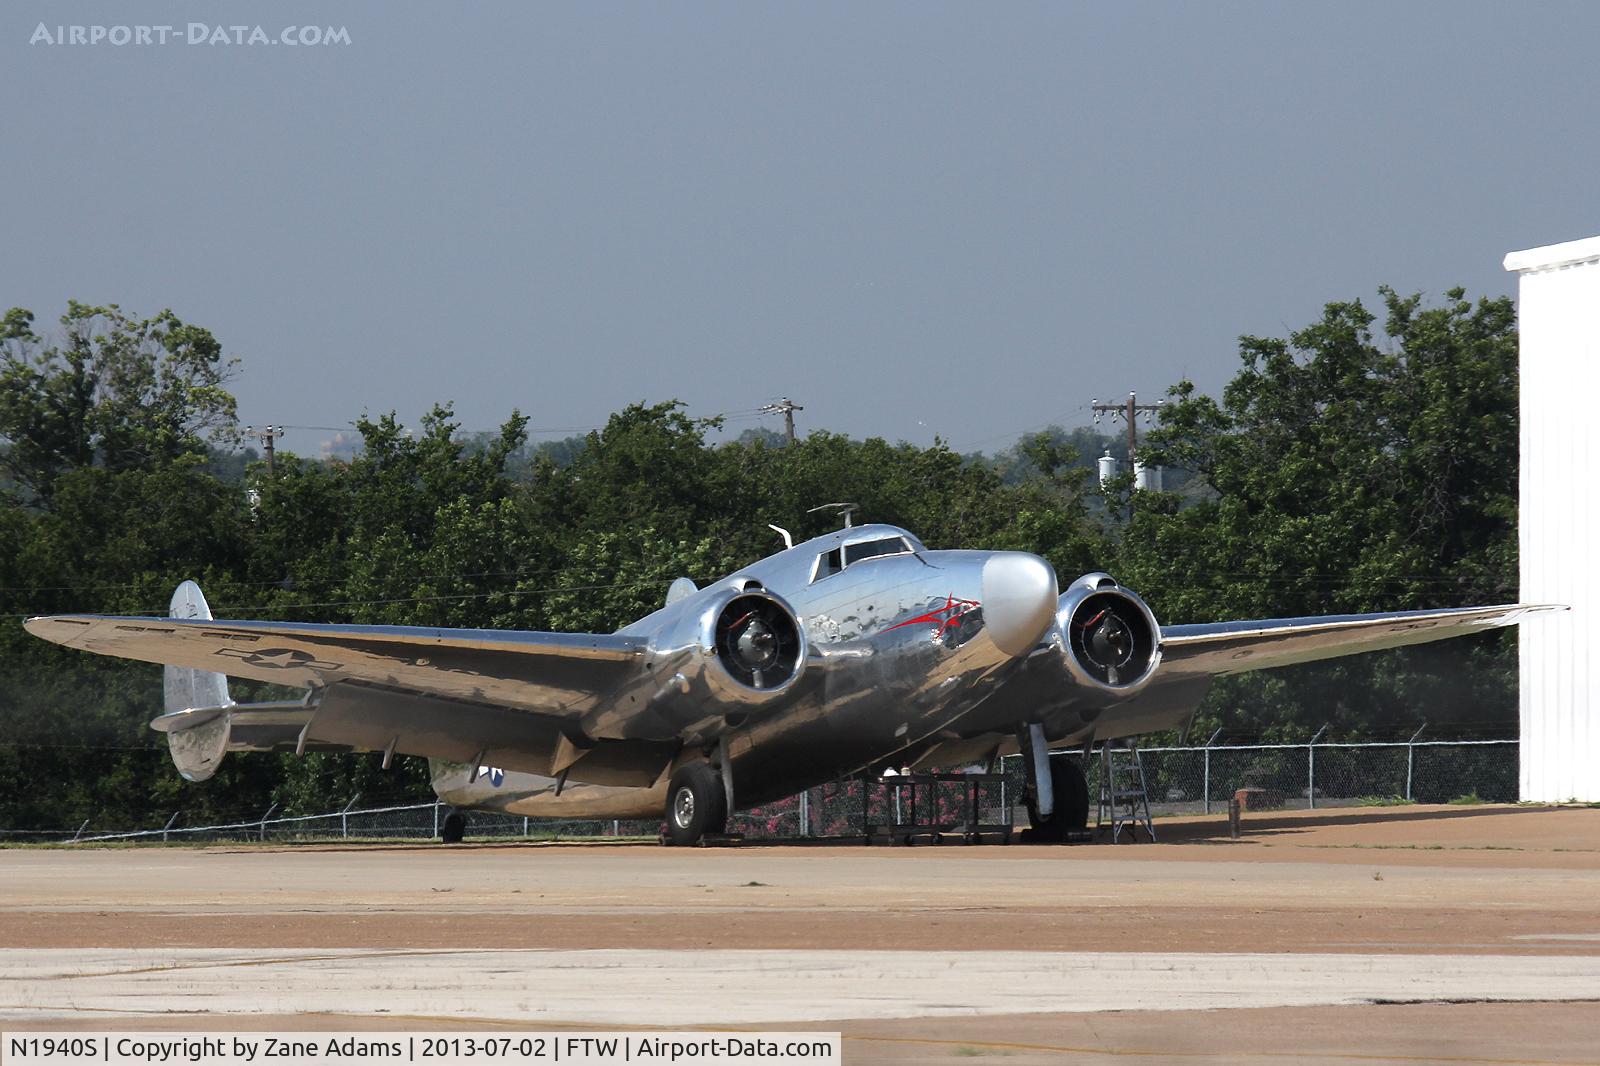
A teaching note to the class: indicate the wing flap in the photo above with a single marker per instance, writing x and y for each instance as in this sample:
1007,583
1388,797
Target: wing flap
367,718
362,717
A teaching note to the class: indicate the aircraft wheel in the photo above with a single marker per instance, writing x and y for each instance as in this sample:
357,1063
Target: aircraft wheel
696,804
1072,792
453,828
1071,811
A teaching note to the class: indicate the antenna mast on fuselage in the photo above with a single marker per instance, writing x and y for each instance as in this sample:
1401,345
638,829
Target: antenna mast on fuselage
846,509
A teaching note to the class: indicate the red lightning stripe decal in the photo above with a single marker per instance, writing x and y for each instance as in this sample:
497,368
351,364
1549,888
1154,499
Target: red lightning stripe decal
945,617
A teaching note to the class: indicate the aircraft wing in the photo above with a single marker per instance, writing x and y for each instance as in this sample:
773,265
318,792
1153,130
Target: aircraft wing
1193,655
1216,648
560,675
509,699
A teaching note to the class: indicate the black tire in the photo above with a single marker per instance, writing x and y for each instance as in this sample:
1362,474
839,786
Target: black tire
1071,807
453,828
696,804
1072,793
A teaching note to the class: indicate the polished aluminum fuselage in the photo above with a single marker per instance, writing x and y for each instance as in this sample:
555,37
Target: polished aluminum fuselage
855,650
899,650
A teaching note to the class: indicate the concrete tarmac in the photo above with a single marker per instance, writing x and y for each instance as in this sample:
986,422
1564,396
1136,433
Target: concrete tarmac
1401,934
662,989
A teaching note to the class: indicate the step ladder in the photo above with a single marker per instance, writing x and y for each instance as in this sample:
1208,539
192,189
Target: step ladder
1124,803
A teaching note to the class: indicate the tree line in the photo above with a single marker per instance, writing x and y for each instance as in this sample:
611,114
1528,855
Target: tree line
1364,462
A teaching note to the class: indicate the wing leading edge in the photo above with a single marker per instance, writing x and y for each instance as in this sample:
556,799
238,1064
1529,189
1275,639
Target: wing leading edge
561,675
1216,648
1193,655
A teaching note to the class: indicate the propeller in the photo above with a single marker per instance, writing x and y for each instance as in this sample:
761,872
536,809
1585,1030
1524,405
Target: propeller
757,647
1107,642
758,641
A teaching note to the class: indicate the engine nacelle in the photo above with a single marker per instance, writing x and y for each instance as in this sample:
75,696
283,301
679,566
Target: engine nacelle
1107,636
752,646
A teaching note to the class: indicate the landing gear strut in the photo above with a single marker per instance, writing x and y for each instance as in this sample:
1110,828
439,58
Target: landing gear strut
697,804
1057,793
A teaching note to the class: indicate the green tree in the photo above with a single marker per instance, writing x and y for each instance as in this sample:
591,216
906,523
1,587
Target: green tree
1347,470
114,392
107,433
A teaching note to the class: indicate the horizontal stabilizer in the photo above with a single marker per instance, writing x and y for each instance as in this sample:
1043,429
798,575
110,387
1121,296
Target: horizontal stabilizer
191,718
200,736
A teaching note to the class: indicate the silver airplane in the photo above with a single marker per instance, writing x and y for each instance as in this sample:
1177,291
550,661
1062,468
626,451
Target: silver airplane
853,651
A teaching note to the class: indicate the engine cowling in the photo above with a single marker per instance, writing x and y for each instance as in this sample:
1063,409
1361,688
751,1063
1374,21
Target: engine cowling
756,645
1108,637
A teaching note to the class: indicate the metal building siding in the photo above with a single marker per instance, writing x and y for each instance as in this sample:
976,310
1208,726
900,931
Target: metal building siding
1559,323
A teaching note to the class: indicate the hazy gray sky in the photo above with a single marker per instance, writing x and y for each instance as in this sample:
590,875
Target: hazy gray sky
912,218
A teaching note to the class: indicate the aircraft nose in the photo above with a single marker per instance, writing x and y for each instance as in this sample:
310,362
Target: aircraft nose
1019,600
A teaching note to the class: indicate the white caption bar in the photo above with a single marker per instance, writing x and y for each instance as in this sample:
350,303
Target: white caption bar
429,1049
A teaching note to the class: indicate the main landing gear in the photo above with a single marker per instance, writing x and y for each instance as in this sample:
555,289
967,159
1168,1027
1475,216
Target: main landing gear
1057,792
697,805
452,827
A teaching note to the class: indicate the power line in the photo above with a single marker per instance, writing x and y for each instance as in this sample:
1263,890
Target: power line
1018,433
785,407
1131,410
268,435
280,581
1269,580
259,609
736,415
1270,576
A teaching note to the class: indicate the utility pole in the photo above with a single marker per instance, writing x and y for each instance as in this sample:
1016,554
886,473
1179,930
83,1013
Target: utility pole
785,407
268,435
1130,410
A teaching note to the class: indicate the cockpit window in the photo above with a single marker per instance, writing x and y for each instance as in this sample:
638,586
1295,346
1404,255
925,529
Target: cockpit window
828,564
871,549
836,559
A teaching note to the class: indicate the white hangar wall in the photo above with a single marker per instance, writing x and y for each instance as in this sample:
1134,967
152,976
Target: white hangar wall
1559,325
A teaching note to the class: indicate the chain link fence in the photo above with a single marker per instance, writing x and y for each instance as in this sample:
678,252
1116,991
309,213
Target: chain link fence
1201,780
1179,781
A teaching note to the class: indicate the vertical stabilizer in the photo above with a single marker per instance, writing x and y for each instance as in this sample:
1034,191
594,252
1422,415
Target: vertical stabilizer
187,688
196,751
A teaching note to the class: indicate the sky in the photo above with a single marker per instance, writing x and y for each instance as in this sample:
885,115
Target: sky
915,219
